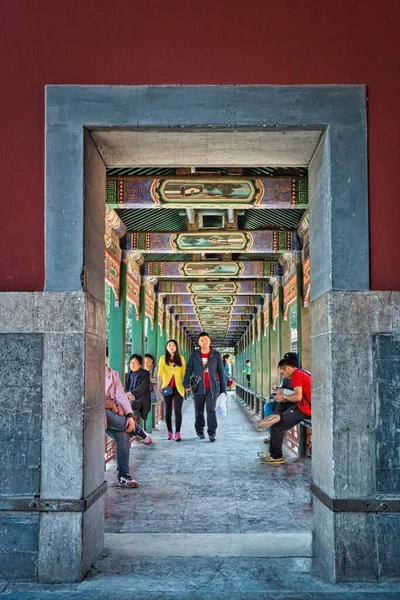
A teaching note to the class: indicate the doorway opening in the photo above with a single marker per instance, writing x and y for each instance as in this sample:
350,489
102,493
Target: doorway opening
236,128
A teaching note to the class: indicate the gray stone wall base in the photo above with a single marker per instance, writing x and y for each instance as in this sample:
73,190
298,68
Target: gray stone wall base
55,374
355,353
53,433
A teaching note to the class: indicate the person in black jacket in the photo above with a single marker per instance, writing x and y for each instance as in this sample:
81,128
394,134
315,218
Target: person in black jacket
207,368
137,386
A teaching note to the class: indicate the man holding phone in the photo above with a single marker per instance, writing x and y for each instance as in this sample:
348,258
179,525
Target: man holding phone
293,408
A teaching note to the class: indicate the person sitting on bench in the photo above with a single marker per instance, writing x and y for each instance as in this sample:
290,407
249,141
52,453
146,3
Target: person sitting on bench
292,409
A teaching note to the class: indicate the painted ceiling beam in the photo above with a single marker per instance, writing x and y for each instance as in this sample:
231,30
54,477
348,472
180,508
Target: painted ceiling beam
216,300
219,287
202,191
220,242
211,269
213,310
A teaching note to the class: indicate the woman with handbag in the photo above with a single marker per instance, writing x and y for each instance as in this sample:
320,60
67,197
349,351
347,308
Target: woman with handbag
171,370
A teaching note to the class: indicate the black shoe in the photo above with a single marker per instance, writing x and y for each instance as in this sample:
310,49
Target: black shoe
213,437
200,436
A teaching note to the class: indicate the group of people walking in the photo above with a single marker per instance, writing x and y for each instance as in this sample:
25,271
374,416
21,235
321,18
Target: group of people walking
207,375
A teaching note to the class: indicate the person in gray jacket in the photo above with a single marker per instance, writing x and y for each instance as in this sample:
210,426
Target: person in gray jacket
206,367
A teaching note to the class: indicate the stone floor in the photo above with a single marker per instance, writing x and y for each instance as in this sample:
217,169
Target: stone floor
196,486
208,521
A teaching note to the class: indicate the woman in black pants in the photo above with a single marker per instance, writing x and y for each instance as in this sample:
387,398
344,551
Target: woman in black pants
171,370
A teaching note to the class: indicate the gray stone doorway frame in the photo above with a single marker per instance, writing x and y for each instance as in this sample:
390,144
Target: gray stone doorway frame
339,245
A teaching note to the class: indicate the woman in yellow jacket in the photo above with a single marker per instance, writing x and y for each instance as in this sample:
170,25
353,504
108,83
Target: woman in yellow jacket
171,370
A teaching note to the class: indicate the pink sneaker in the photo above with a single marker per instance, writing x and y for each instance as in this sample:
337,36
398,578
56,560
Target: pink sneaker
169,436
148,440
178,437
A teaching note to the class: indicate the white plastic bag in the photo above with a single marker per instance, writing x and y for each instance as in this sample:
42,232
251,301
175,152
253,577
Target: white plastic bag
221,405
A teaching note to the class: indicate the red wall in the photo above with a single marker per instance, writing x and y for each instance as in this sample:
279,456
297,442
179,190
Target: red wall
205,42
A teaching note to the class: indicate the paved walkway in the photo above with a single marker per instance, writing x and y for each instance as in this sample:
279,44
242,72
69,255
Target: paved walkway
207,522
197,486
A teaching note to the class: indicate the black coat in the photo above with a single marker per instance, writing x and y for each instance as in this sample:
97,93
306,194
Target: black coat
141,391
215,367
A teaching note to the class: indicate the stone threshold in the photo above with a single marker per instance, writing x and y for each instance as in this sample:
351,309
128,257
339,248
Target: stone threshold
261,545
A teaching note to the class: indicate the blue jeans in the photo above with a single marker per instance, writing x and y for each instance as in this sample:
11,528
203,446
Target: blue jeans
116,431
269,408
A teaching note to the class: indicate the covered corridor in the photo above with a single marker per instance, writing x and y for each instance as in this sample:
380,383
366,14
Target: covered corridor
198,487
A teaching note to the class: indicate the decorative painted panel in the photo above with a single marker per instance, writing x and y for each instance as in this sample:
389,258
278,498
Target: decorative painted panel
160,314
224,241
220,269
133,283
204,300
219,300
306,281
275,311
247,269
258,323
149,300
234,318
289,295
266,316
289,259
221,241
173,331
112,266
246,288
186,311
199,192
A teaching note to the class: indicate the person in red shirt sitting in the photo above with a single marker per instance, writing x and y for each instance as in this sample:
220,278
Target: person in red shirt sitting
298,407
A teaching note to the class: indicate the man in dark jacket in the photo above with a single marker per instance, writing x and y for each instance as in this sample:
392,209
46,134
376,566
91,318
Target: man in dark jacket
206,366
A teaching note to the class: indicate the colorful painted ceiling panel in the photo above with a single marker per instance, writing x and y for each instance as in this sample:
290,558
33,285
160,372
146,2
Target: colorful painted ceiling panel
212,237
217,242
204,300
212,269
222,287
200,191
